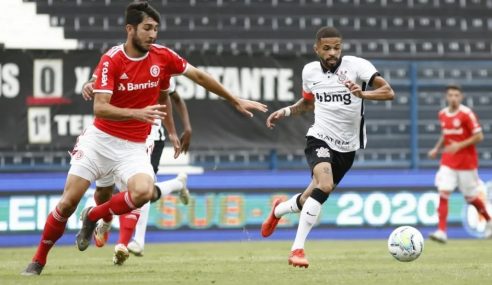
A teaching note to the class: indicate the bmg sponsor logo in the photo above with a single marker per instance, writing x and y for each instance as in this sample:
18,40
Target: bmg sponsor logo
345,98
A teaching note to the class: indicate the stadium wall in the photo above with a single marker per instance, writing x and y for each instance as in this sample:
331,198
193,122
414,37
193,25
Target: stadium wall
43,110
232,206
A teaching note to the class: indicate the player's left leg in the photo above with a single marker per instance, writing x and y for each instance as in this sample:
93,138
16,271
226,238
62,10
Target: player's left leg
104,191
328,168
178,184
470,185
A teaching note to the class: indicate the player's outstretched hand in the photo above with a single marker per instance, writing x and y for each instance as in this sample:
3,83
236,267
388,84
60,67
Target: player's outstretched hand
149,114
185,140
354,88
176,144
432,153
274,117
245,106
88,91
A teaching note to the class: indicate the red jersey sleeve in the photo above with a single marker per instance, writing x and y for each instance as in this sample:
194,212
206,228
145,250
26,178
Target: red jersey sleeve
177,65
472,123
105,75
164,84
96,70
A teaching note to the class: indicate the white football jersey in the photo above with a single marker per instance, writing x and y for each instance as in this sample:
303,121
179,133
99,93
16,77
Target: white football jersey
157,132
338,115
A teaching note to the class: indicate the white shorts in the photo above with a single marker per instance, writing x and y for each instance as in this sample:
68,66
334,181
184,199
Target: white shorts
100,155
467,181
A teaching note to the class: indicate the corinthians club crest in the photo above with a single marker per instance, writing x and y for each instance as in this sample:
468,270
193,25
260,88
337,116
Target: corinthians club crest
342,76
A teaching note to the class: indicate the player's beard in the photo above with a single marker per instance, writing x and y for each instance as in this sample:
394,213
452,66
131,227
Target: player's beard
137,43
331,65
328,65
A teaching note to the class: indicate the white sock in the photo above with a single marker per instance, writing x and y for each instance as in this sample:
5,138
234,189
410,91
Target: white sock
286,207
306,221
141,227
169,186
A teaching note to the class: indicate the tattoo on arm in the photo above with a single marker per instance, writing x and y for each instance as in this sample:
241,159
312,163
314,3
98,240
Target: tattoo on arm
302,106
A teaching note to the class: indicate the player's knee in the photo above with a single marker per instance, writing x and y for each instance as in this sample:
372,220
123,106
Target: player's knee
326,187
142,193
66,207
103,194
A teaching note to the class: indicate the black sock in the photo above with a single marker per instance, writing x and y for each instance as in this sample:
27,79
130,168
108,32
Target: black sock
319,195
156,195
298,202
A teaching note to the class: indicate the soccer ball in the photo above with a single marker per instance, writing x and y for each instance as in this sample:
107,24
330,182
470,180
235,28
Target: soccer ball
405,243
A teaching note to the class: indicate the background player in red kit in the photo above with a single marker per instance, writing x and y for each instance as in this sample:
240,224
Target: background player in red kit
460,133
126,93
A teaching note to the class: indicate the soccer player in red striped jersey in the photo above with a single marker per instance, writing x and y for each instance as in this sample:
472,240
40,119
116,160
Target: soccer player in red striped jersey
461,132
125,105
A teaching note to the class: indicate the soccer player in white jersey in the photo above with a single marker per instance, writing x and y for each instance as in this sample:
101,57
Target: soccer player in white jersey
335,87
461,132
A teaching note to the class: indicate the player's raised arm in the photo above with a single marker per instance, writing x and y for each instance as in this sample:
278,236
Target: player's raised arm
382,91
208,82
301,106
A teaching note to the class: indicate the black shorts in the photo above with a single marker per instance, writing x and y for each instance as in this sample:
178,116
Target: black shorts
155,157
318,151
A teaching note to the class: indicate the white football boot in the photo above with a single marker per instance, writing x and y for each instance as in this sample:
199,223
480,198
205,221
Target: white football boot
439,236
120,254
135,248
184,194
488,229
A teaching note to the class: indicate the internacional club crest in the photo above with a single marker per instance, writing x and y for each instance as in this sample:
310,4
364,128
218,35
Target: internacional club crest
155,70
456,123
322,152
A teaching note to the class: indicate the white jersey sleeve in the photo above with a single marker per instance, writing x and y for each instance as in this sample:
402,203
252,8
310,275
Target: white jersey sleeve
305,87
307,92
172,85
365,70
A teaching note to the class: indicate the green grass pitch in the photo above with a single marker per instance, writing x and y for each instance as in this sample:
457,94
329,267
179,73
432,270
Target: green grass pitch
256,263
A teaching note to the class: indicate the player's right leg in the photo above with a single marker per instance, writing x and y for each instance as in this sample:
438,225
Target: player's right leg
311,209
75,187
279,209
446,181
440,235
135,172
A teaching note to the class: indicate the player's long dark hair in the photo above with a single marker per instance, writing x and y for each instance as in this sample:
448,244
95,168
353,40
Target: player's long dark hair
136,11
